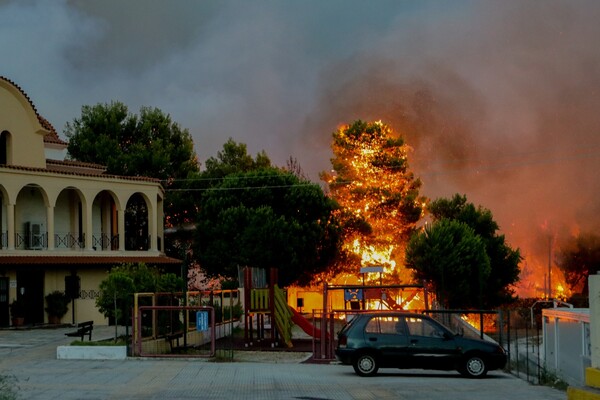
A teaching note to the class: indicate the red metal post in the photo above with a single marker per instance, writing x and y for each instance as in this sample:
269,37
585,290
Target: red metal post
247,311
324,320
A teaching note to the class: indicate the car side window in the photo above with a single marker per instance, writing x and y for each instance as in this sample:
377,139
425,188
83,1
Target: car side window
372,326
386,325
423,327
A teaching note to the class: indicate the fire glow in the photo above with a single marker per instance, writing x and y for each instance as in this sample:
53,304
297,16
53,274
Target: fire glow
369,182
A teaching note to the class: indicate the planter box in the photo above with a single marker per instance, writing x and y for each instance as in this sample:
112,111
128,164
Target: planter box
91,352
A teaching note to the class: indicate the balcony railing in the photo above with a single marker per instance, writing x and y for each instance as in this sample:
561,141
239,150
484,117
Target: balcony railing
30,241
69,241
105,242
74,241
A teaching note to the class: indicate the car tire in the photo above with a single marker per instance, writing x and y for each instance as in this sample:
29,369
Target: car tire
365,365
474,366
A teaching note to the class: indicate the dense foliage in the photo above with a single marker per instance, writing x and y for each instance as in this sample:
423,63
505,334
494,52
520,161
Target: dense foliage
451,256
149,144
266,218
116,291
495,286
578,259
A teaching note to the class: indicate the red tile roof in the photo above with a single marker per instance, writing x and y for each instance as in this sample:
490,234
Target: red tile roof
79,169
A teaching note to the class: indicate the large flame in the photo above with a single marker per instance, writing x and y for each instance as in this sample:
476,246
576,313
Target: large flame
363,186
540,276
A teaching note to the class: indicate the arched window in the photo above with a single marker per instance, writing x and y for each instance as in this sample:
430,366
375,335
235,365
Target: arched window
136,224
4,147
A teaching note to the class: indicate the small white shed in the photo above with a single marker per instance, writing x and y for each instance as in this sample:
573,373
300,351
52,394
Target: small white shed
566,341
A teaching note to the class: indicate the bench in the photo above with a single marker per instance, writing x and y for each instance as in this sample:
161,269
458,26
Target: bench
173,340
83,328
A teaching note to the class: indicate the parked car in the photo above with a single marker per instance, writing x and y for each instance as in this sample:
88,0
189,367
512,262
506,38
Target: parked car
392,339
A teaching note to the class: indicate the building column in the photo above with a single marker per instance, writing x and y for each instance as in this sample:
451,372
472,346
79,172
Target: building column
10,225
152,223
121,227
87,226
50,230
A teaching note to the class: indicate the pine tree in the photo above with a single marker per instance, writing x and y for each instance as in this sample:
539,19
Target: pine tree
378,195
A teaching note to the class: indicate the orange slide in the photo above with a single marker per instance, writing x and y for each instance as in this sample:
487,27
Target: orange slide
305,324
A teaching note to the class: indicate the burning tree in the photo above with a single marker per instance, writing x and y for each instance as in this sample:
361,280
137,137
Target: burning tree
378,195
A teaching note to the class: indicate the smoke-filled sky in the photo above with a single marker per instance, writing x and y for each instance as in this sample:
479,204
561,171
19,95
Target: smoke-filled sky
500,100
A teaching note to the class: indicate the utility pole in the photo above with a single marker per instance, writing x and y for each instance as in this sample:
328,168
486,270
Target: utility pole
550,267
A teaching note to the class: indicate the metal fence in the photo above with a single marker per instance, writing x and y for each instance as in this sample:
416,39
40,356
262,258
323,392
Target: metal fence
518,331
166,324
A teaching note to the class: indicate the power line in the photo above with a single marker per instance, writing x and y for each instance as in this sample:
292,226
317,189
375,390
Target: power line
242,187
590,152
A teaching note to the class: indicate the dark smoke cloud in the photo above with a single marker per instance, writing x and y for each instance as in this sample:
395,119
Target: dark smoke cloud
499,99
502,107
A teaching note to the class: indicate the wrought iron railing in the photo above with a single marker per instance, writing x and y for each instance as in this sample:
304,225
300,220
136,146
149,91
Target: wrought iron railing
74,241
30,241
69,240
105,242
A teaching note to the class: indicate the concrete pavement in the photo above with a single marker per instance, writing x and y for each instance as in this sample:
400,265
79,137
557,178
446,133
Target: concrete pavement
30,356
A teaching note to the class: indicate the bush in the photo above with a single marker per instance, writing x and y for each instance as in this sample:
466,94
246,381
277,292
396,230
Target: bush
8,387
57,304
225,314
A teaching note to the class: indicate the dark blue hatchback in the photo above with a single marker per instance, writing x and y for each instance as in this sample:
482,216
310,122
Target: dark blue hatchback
389,339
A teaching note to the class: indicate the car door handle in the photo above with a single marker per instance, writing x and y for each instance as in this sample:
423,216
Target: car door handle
372,339
414,341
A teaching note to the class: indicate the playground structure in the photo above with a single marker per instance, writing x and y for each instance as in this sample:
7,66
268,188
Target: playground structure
268,316
167,324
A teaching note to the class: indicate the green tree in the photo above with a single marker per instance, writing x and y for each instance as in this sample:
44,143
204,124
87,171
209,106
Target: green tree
266,218
578,259
149,144
117,290
377,192
503,260
453,258
233,159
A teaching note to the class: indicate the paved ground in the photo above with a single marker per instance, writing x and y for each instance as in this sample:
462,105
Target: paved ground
30,356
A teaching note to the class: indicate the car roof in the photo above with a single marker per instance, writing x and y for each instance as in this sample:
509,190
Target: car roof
392,313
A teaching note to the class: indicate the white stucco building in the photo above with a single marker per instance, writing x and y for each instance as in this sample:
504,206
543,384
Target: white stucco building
63,218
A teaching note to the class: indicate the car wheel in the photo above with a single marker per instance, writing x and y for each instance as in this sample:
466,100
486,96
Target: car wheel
474,367
365,365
